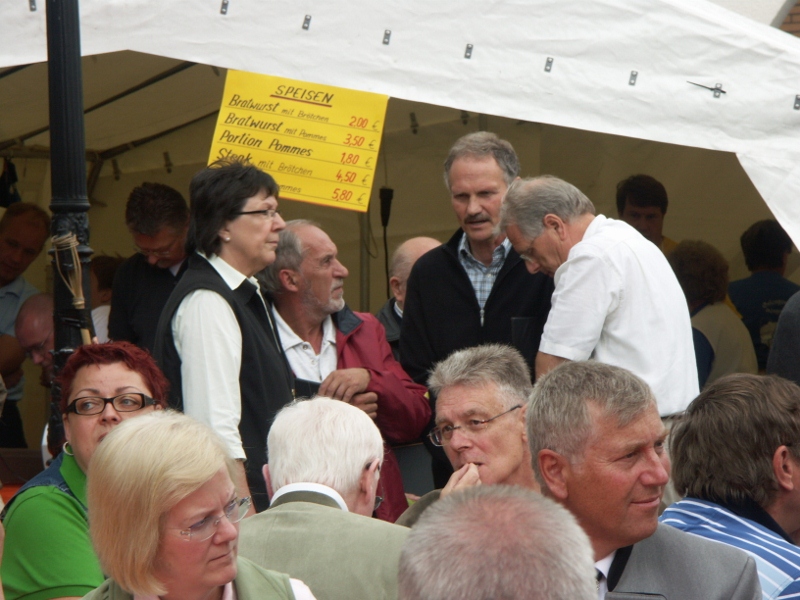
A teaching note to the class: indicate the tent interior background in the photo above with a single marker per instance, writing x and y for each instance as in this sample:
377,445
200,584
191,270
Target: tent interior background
711,195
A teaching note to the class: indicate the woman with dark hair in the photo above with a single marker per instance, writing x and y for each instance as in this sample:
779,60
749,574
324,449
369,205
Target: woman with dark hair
46,521
215,339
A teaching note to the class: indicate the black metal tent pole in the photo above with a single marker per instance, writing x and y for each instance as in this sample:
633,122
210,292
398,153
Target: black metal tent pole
69,203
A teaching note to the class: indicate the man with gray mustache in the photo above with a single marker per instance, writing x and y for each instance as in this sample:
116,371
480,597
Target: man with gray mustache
341,354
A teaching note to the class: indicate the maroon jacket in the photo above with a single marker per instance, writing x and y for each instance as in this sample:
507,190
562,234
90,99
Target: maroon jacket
403,408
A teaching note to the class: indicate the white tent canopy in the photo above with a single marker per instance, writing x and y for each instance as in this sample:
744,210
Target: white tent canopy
594,46
581,120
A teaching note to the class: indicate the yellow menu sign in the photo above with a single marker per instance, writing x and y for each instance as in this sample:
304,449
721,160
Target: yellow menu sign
319,142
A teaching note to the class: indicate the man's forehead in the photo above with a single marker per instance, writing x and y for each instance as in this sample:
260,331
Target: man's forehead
25,230
460,401
315,242
609,430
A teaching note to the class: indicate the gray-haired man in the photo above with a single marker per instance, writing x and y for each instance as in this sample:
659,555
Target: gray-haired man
480,421
598,447
497,542
616,298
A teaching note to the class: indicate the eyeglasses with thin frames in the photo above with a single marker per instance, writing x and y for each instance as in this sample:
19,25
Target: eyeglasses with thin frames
269,213
234,511
439,436
38,348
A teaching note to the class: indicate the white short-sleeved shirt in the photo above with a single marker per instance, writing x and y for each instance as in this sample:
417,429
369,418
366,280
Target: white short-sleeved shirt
617,301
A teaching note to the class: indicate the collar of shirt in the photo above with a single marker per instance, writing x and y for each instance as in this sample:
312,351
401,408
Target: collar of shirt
14,288
498,255
307,486
229,274
303,360
174,269
604,565
228,593
397,310
289,339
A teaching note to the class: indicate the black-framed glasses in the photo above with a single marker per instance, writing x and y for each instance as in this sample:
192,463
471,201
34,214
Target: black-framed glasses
234,511
439,436
94,405
269,213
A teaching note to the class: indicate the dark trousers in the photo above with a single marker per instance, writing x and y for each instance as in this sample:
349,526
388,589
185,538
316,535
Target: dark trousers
11,433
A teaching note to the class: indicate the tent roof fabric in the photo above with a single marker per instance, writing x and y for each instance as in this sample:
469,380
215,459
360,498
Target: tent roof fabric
594,47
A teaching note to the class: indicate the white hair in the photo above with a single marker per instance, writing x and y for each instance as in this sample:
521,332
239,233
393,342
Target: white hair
493,542
322,441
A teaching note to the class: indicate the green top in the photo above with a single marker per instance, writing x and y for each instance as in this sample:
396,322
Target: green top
48,553
251,582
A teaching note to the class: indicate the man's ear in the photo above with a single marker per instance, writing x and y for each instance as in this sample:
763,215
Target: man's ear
555,471
289,279
394,282
268,481
555,223
783,466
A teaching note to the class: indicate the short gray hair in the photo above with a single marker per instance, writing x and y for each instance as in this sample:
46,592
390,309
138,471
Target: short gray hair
322,441
288,255
496,542
484,144
529,200
558,416
481,365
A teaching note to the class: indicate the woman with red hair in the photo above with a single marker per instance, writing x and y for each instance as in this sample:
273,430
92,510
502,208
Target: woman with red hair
46,522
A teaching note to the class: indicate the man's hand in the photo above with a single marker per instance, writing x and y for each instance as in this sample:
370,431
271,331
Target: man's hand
343,384
368,402
466,477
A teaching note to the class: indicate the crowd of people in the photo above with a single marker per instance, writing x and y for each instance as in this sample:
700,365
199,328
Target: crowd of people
232,433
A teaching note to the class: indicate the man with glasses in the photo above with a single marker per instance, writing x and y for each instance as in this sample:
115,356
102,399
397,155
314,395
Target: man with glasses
481,394
616,298
158,218
24,229
324,461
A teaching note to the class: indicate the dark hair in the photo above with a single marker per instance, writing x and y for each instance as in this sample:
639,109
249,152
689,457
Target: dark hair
104,267
722,447
216,194
764,244
32,211
701,270
642,191
135,358
153,206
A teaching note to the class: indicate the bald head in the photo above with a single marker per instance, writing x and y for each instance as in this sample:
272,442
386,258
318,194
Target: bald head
403,260
34,331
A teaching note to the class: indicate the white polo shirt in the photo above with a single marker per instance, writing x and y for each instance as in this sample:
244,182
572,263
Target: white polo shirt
617,301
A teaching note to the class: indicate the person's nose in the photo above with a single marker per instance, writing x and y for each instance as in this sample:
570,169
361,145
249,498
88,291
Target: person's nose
110,413
532,266
152,259
226,531
460,440
474,207
278,224
341,270
658,468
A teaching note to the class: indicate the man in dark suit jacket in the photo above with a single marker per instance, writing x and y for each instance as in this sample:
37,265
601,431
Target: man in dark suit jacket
598,448
324,460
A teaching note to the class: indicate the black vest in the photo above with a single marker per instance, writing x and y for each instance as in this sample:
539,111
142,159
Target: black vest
264,381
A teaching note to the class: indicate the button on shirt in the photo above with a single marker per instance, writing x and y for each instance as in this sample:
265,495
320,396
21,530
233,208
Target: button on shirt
304,361
481,276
